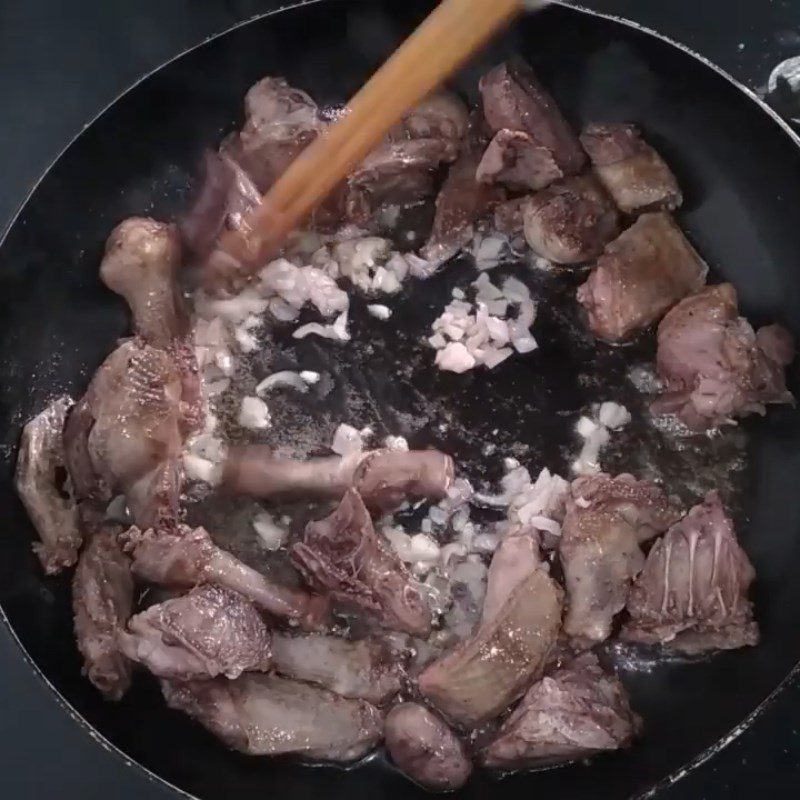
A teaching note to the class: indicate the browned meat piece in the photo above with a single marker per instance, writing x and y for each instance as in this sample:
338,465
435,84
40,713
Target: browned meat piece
127,432
280,123
37,480
395,173
225,197
607,519
508,217
515,558
634,174
140,264
186,558
102,602
691,596
514,160
263,715
714,366
641,274
425,749
342,555
461,203
366,669
208,632
486,673
513,99
441,115
385,479
573,714
571,221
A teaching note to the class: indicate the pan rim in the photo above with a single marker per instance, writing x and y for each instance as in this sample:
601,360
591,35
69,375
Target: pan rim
676,775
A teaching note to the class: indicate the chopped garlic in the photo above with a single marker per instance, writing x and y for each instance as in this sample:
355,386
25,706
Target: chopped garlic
254,413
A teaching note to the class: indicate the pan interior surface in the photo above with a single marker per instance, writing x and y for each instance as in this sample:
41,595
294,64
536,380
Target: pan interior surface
741,176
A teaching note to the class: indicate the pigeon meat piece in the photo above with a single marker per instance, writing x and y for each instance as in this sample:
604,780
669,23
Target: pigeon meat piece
366,669
571,221
633,173
395,173
460,204
186,558
607,520
714,366
484,674
224,198
385,479
441,115
691,596
514,160
577,712
38,480
342,555
126,434
264,715
641,275
281,122
424,749
102,602
514,100
208,632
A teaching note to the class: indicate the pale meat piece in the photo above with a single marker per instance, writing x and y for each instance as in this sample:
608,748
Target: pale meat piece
425,749
513,159
571,221
441,115
281,122
102,602
641,274
515,558
607,519
633,173
691,596
483,675
514,100
37,480
385,479
366,669
208,632
460,204
714,366
186,558
264,715
343,556
577,712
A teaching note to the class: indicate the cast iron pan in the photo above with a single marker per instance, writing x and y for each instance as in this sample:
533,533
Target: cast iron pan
740,170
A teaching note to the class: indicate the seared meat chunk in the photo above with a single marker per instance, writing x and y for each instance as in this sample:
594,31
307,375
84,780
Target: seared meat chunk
281,122
515,558
461,203
264,715
185,558
385,479
691,596
641,274
577,712
484,674
571,221
513,99
425,749
714,365
508,216
208,632
343,556
102,602
366,669
39,463
607,519
226,195
513,159
441,115
634,174
140,264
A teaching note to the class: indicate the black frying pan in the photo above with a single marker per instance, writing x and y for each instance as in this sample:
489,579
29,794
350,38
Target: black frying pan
740,170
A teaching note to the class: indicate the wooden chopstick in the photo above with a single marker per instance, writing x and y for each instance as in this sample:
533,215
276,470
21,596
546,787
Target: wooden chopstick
444,41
